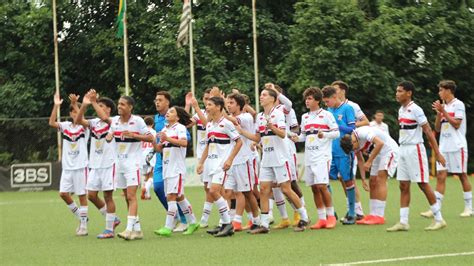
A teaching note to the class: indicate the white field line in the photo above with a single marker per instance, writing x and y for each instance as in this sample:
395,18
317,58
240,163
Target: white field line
470,253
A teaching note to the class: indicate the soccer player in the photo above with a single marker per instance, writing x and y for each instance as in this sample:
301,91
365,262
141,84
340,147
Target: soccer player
241,180
223,144
148,161
382,162
318,129
173,143
451,124
413,163
101,161
128,130
162,104
271,131
341,162
378,122
361,120
74,162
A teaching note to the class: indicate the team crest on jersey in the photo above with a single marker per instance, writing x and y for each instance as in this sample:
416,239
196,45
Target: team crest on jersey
311,139
73,146
339,117
446,126
166,154
122,148
212,147
99,144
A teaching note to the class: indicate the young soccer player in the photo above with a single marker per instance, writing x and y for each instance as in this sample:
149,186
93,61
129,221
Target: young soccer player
101,162
318,129
223,144
128,130
382,162
73,162
413,163
173,143
341,163
147,167
451,124
378,121
271,131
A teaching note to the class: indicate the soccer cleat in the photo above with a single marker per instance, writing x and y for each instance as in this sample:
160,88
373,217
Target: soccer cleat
203,225
374,220
349,220
248,226
237,226
116,222
319,225
365,219
253,227
359,217
271,220
285,223
226,230
136,235
427,214
81,231
398,227
331,222
296,218
466,213
259,230
214,231
163,231
125,235
106,234
436,226
180,227
191,229
301,226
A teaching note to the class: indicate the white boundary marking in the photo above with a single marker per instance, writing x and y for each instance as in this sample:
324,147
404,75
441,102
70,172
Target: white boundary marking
406,258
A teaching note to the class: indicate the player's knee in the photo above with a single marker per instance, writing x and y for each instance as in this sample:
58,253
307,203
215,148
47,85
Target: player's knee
404,186
92,197
64,195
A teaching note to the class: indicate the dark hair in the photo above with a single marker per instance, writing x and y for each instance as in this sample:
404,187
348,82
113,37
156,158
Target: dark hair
315,92
278,88
165,94
246,98
237,97
129,100
272,93
328,91
217,101
448,84
107,102
183,117
342,85
379,112
208,90
407,86
71,108
346,143
149,121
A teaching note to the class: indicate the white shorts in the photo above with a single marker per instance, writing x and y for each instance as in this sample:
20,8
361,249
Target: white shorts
73,181
101,179
276,174
317,173
241,178
218,177
385,162
456,162
128,179
174,185
205,178
293,168
146,169
413,164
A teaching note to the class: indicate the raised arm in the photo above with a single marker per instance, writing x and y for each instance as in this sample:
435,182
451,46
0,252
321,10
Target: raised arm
92,94
54,113
79,119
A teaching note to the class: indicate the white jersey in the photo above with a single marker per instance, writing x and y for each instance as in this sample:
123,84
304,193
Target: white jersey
201,134
275,149
359,114
316,149
174,156
411,118
291,122
221,137
246,122
365,136
74,149
382,126
146,148
451,139
102,153
128,149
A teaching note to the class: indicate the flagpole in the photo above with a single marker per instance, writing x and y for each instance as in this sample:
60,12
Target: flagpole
56,73
255,53
125,50
191,68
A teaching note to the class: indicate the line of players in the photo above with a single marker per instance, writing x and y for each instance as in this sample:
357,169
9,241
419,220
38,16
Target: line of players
229,132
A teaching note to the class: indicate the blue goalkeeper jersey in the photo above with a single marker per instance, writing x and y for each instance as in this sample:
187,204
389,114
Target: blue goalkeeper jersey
345,119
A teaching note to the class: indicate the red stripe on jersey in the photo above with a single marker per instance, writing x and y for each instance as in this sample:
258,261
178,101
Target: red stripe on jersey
70,134
100,131
406,120
420,162
316,126
218,135
119,133
366,146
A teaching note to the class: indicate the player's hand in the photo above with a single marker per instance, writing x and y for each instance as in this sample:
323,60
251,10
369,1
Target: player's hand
438,107
236,91
93,95
367,165
109,137
128,134
73,98
227,165
320,134
294,138
163,137
188,97
238,128
440,159
215,92
86,100
365,186
57,100
199,169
